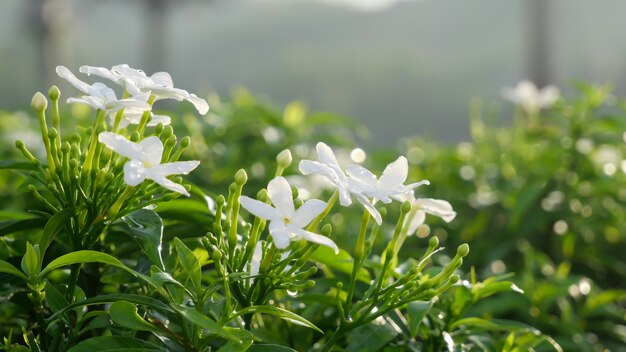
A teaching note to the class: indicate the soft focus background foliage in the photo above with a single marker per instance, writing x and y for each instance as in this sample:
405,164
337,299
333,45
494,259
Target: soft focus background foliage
544,203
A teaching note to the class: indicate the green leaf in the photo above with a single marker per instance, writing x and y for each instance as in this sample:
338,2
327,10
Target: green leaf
205,322
17,165
416,312
190,264
54,225
116,344
56,300
278,312
136,299
125,314
11,226
84,256
373,336
486,289
270,348
246,338
7,268
31,261
146,227
342,262
604,298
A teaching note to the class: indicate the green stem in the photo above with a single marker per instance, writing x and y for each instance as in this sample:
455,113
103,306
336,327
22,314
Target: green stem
359,250
92,144
329,205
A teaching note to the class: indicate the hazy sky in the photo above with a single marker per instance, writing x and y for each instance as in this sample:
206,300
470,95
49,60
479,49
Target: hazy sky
407,69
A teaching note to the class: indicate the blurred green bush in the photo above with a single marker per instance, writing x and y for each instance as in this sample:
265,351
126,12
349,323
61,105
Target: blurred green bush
543,201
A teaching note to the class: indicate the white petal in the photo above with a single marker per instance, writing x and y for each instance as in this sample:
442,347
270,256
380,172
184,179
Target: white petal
121,145
255,261
103,91
134,173
326,155
279,192
279,234
66,74
166,183
163,79
369,207
129,103
313,237
438,207
394,174
308,211
101,72
416,221
200,104
152,147
258,208
159,119
362,175
176,168
95,103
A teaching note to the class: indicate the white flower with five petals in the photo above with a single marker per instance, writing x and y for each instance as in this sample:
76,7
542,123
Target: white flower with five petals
101,97
529,97
145,161
329,168
389,185
422,206
136,82
286,222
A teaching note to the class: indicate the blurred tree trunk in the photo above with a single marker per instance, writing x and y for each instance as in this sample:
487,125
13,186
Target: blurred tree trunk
50,24
538,42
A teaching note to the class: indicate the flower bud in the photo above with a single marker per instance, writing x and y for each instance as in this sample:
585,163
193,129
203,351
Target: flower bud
327,230
241,177
262,195
284,158
39,102
185,142
54,93
220,200
406,207
52,133
463,250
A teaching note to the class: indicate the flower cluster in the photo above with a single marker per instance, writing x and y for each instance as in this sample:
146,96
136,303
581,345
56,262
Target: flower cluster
355,182
530,98
140,92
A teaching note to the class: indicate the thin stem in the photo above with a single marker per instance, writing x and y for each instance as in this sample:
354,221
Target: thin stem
358,259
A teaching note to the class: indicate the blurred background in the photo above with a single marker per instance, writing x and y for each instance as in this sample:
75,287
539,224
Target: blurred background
401,67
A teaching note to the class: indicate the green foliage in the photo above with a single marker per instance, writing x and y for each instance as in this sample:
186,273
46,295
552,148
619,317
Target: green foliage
99,265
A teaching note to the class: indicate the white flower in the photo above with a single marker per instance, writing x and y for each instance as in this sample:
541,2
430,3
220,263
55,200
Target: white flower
134,118
101,97
255,261
529,97
145,161
389,185
423,206
285,221
328,166
159,85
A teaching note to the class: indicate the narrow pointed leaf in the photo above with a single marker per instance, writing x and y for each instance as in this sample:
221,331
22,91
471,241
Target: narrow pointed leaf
205,322
145,227
85,256
245,341
125,314
7,268
278,312
17,165
190,264
116,344
54,225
